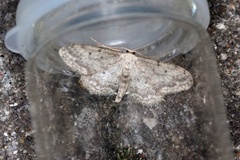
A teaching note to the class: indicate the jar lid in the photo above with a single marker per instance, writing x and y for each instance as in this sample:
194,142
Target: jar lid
29,12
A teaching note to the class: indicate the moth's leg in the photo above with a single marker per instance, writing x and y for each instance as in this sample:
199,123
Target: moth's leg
123,84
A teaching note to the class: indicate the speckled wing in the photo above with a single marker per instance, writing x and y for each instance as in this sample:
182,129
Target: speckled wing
88,60
105,82
151,80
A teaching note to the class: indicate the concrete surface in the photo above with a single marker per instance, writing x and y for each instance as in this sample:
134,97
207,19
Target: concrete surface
16,139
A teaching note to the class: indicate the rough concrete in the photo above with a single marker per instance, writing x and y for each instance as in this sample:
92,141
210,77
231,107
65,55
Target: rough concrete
16,139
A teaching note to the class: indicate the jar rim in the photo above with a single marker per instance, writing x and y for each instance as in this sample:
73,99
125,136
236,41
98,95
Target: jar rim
19,38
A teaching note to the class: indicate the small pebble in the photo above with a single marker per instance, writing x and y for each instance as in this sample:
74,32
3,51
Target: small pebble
221,26
224,56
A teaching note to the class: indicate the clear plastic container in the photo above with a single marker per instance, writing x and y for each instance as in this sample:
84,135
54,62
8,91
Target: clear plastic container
72,123
20,39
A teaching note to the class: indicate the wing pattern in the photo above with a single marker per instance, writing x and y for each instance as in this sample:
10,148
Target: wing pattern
104,71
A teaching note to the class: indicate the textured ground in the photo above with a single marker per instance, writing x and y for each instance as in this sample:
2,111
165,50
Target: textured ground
16,140
224,30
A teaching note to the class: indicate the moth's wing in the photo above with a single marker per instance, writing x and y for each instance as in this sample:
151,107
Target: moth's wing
151,80
88,60
105,82
141,90
166,78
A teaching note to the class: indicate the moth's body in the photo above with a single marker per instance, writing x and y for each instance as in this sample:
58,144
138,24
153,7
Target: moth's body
127,68
106,71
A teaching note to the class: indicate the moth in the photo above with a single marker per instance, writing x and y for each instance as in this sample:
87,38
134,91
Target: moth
108,71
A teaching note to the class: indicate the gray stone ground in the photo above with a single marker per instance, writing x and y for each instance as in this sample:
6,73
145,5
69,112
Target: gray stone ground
16,139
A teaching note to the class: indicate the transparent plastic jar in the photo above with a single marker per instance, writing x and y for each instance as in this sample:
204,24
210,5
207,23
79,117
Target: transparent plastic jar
71,123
